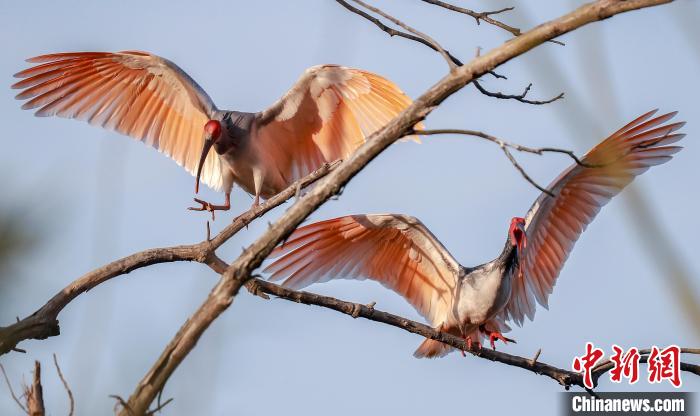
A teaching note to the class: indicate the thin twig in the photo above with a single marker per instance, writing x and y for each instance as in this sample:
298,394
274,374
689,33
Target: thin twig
393,32
44,322
485,16
159,407
12,392
479,16
434,44
524,174
452,60
517,97
35,394
500,142
504,145
121,402
534,359
65,385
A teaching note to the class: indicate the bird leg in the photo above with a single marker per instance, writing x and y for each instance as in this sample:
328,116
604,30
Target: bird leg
471,344
495,335
207,206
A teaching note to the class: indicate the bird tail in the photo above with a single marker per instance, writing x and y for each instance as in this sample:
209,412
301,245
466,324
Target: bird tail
432,349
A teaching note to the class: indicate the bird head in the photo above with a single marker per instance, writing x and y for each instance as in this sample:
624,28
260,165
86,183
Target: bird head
516,233
212,133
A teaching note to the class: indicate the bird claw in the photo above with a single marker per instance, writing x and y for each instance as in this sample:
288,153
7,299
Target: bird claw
494,336
471,345
207,206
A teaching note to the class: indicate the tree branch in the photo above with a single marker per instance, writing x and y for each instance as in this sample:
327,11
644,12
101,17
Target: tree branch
239,272
65,385
431,42
517,97
44,322
393,32
504,145
564,377
452,60
485,16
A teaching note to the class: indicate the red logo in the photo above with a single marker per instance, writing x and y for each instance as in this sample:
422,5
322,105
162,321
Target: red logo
586,362
626,365
662,364
665,365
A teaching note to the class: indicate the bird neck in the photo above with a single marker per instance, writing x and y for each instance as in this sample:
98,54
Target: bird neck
508,257
235,132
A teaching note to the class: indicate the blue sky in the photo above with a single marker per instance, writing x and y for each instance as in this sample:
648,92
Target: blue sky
90,196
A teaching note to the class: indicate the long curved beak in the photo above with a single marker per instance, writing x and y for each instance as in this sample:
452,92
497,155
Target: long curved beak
208,143
522,243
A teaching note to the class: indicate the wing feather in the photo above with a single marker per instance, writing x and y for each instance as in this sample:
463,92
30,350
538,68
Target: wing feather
325,116
553,224
395,250
134,93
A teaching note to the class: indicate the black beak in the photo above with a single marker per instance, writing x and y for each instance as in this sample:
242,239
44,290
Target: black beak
208,143
522,243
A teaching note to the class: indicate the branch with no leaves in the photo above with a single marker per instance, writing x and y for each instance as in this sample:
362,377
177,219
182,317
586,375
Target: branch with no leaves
451,60
485,16
517,97
239,272
436,46
504,145
479,16
65,385
44,322
564,377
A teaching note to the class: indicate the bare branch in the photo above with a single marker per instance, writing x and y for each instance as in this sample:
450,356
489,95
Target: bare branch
12,392
500,142
35,394
564,377
527,177
485,16
517,97
432,42
452,60
504,145
65,385
239,272
44,322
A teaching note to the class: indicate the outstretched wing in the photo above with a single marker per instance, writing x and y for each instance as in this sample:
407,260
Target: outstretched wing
553,224
395,250
325,116
135,93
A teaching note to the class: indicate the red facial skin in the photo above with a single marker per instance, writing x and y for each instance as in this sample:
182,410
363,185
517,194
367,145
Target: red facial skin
213,129
517,233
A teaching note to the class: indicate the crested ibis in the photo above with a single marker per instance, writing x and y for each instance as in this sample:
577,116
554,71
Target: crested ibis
399,252
325,116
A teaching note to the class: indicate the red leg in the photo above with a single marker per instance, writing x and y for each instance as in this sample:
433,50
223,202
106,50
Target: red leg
495,335
207,206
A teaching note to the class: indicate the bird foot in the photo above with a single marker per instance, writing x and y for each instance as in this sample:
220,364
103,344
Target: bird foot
495,335
256,202
207,206
471,345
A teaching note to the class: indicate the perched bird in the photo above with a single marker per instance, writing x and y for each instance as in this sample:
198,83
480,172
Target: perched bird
399,252
325,116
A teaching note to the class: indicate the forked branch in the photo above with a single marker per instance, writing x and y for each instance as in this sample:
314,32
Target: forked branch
239,272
